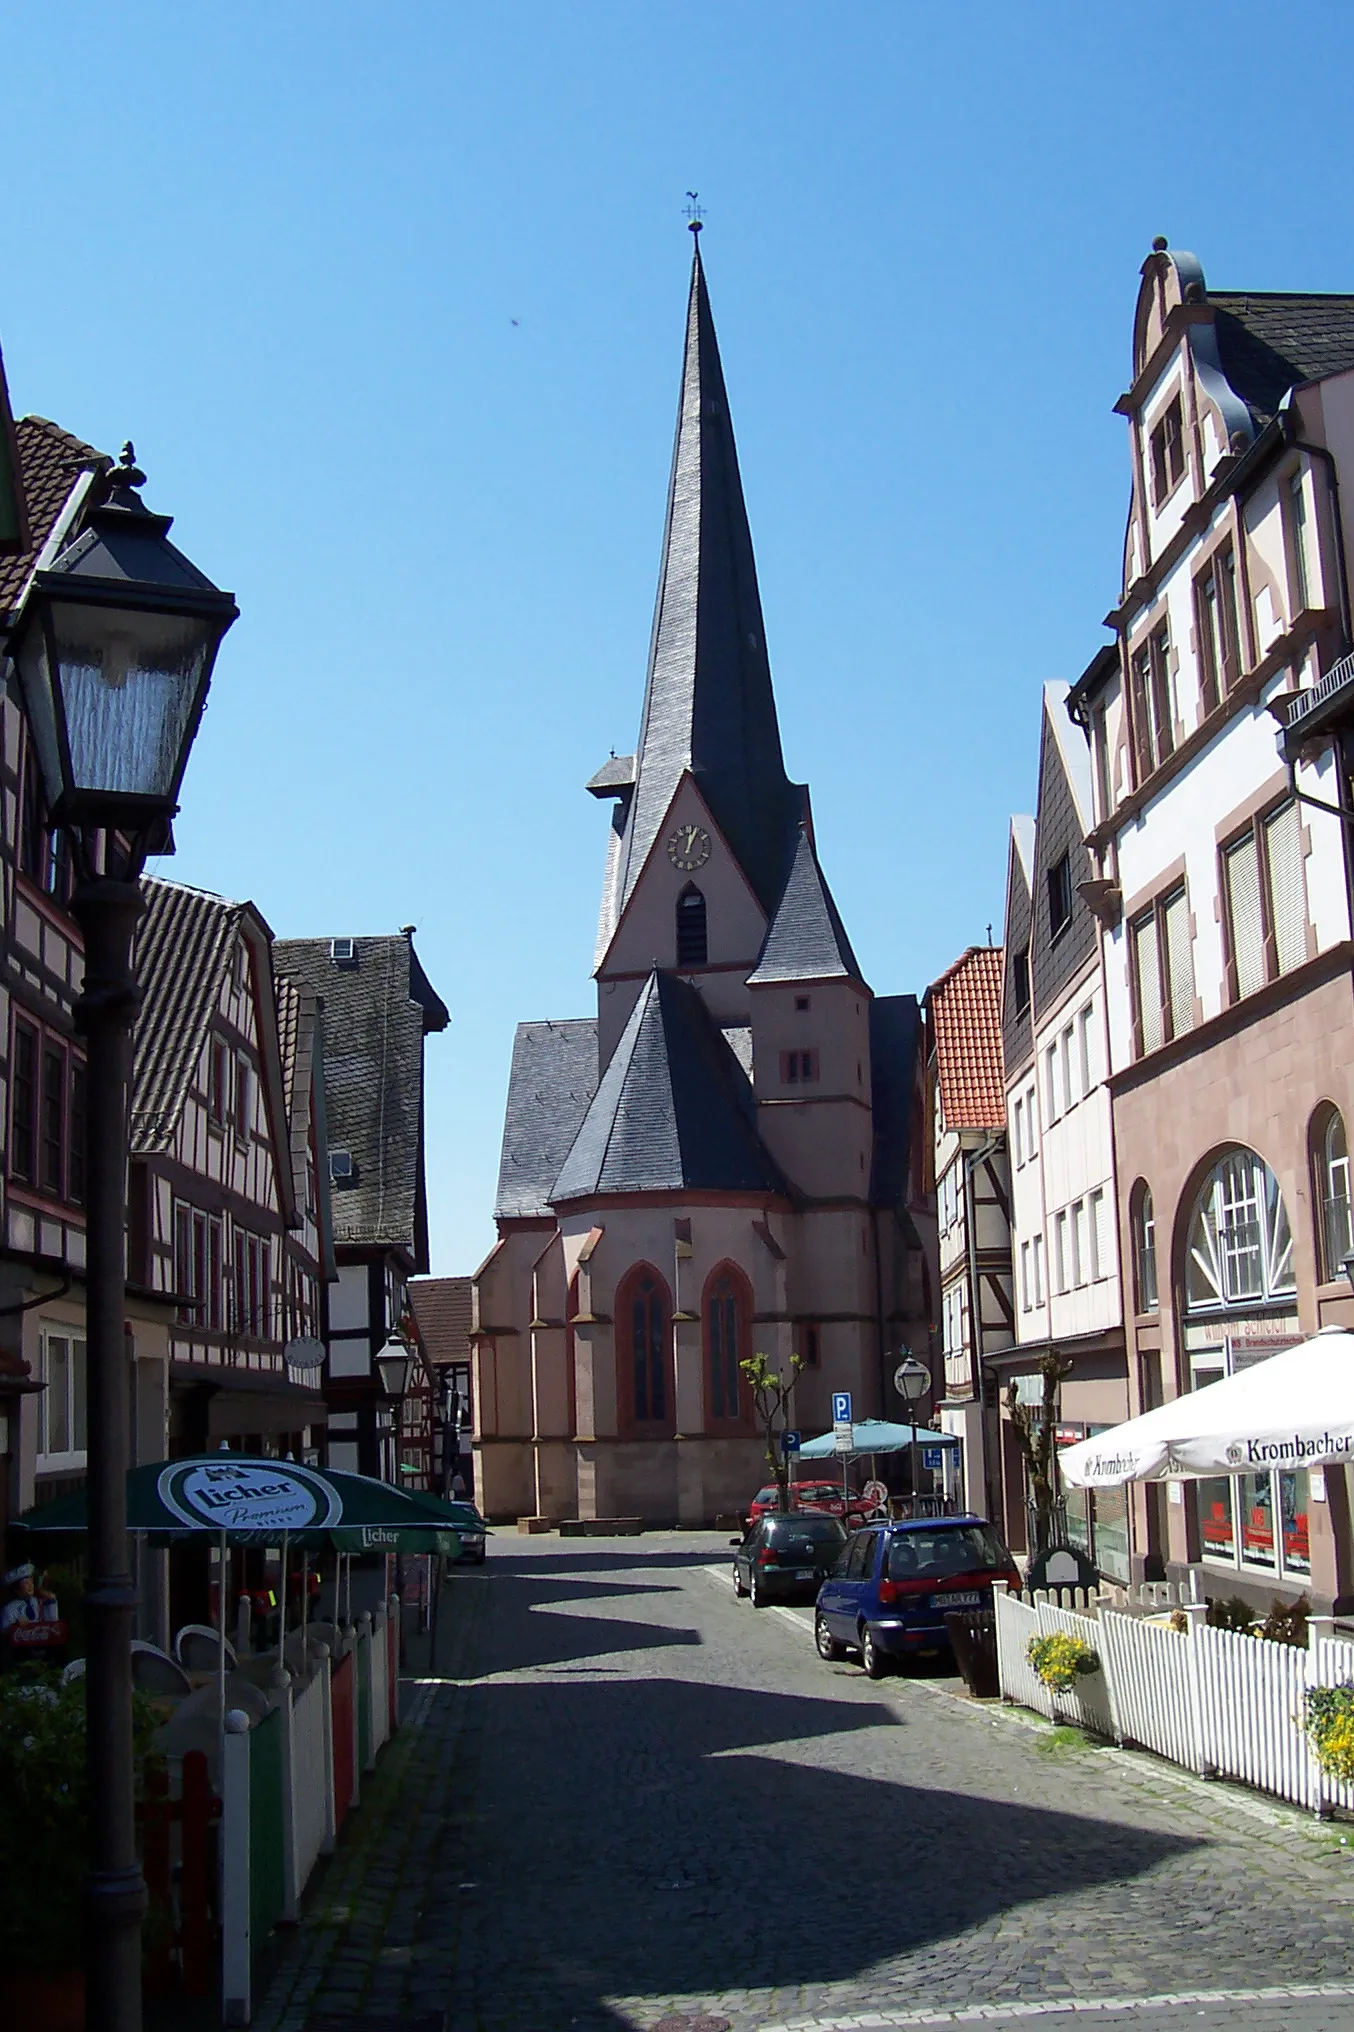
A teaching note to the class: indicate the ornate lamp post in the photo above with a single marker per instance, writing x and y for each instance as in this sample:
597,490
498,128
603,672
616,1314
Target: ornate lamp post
115,653
912,1381
393,1365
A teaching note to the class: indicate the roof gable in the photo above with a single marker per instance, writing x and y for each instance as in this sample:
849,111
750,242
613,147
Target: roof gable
1017,1035
1060,829
674,1110
184,946
965,1006
806,939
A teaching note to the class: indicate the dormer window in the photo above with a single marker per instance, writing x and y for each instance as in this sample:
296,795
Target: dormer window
1168,453
691,939
343,952
341,1166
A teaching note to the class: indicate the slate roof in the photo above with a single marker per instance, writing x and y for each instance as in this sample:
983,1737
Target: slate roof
377,1012
674,1110
965,1006
806,939
553,1078
895,1027
1023,839
441,1307
50,461
708,702
184,945
1269,341
1072,747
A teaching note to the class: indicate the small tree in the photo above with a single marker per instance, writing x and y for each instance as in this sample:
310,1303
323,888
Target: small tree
1033,1425
771,1393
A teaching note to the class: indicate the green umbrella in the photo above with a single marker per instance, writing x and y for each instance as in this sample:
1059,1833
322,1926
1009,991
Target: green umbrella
250,1501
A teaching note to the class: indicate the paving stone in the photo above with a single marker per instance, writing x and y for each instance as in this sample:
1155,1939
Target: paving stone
637,1802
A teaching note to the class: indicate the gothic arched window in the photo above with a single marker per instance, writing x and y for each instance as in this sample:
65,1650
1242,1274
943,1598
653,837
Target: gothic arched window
1239,1250
643,1314
691,940
728,1341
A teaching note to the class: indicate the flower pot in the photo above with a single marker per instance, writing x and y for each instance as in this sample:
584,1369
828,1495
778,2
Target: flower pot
42,2001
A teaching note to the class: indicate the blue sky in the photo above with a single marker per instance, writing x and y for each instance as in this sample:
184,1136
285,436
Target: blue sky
391,301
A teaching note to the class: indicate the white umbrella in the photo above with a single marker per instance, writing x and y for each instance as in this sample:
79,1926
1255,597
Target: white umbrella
1295,1410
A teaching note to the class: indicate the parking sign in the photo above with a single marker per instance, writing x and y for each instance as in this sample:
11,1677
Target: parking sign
841,1407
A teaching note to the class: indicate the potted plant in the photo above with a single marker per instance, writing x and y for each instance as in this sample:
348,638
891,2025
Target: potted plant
1061,1660
44,1846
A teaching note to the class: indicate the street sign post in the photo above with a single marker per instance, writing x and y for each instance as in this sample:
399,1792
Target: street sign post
791,1443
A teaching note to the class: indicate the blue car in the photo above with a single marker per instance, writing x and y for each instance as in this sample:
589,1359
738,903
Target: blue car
895,1583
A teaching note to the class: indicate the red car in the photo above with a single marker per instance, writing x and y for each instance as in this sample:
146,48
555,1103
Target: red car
823,1497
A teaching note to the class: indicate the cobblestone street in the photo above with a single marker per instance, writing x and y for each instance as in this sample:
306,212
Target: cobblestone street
640,1802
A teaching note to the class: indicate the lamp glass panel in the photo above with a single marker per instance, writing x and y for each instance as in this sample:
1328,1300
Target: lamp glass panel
129,685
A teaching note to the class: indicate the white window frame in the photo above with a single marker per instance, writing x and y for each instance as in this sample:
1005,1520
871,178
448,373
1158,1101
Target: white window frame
64,1460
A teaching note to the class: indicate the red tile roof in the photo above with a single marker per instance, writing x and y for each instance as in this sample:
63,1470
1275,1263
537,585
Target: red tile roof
965,1006
49,459
441,1307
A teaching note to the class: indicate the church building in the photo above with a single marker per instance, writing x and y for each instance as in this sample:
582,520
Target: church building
728,1158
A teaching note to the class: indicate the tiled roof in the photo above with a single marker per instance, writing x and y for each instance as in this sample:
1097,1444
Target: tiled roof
708,702
183,948
1268,342
674,1110
376,1013
50,460
441,1307
553,1078
299,1037
806,939
965,1008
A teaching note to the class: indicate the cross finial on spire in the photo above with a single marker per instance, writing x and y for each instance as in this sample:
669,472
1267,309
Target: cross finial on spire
693,212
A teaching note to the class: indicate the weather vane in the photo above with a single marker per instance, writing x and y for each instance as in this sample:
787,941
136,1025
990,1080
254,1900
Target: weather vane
693,213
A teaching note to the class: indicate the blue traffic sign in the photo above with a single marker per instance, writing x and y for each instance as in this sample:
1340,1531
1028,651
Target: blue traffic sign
791,1442
933,1457
841,1407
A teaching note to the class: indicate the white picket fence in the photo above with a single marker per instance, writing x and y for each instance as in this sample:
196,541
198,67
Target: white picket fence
1215,1701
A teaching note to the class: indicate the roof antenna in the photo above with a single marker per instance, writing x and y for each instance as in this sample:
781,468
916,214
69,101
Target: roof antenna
693,212
989,934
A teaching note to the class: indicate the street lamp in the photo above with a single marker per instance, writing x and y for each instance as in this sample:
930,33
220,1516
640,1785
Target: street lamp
393,1364
114,652
912,1381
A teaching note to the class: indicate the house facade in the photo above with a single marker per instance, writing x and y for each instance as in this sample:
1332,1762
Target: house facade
441,1309
1222,874
377,1007
729,1158
971,1172
1064,1229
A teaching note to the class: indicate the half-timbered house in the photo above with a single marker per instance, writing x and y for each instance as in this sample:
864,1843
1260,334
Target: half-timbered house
378,1007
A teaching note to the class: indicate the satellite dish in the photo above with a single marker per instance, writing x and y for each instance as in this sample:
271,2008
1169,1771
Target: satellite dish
304,1354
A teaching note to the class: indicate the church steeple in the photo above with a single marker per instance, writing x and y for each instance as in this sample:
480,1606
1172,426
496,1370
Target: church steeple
708,703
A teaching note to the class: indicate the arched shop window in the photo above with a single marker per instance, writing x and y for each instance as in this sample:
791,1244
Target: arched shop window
1240,1293
1240,1246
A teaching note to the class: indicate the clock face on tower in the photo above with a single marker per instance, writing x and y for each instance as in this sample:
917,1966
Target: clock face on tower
688,848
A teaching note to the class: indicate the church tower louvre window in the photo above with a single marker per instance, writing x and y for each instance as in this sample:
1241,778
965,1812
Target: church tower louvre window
692,945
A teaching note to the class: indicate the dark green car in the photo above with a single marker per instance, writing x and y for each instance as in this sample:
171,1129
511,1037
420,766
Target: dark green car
786,1558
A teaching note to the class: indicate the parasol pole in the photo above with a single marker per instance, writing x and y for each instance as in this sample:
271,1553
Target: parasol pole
282,1619
221,1644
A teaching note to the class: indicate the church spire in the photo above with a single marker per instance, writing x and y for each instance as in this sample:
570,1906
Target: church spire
708,703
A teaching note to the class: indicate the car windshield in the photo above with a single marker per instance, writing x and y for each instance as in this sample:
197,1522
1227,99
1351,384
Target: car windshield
766,1495
818,1492
805,1530
956,1548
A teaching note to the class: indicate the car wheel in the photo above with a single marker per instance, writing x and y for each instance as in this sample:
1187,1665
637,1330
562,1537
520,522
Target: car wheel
738,1587
758,1598
874,1660
828,1647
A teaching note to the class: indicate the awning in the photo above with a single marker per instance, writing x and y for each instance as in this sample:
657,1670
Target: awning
1294,1410
878,1435
249,1400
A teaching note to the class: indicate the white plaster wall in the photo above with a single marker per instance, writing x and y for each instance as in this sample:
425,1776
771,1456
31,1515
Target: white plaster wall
1027,1211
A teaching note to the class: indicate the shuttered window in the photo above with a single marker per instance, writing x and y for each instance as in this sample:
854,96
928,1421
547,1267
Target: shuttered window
1147,975
1179,962
1241,865
1283,852
1102,1242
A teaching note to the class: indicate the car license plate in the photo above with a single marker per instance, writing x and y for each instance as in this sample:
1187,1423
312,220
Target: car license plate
804,1573
969,1598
